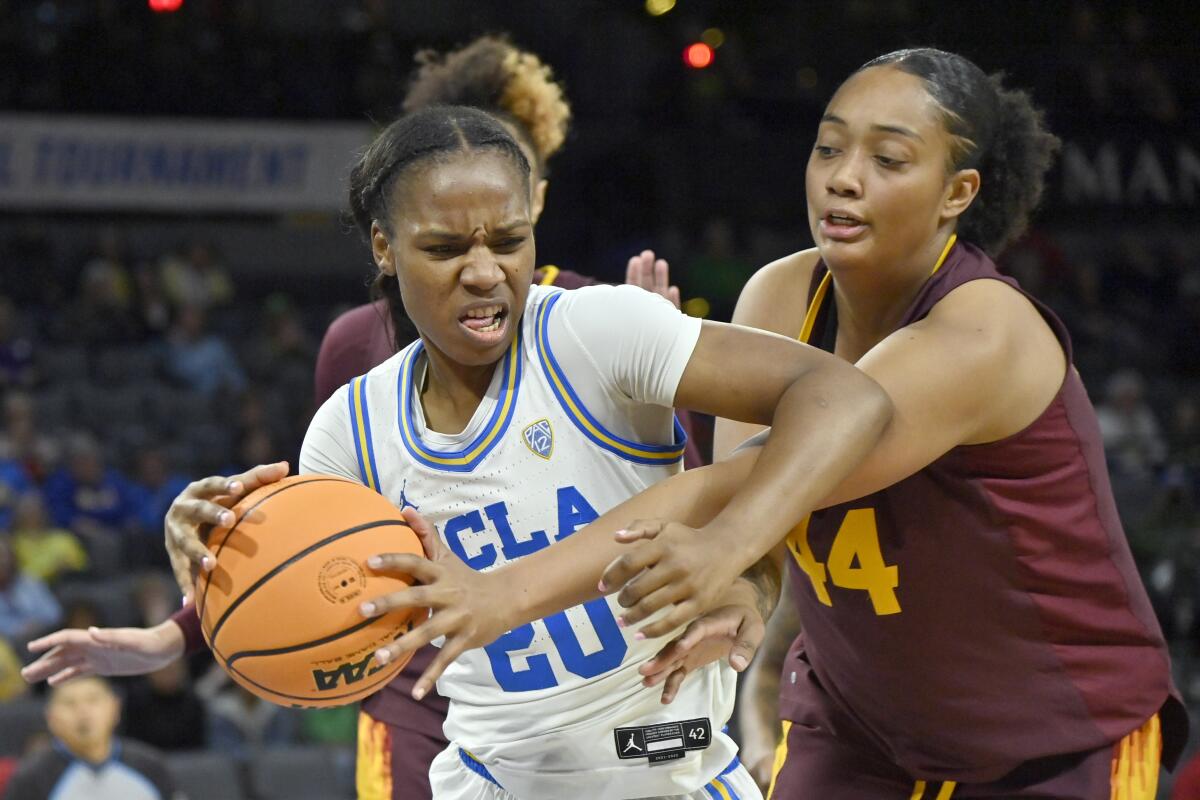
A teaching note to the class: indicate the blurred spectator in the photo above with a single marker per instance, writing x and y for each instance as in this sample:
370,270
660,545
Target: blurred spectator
1184,438
719,271
157,598
27,608
1131,433
151,306
89,762
14,482
336,725
155,486
162,710
240,723
100,313
12,685
196,278
22,441
83,614
43,551
87,495
16,349
200,360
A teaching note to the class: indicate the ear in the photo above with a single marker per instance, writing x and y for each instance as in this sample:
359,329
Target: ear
381,250
538,201
960,193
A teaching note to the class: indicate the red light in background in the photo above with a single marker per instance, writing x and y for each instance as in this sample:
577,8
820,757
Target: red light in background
698,55
165,6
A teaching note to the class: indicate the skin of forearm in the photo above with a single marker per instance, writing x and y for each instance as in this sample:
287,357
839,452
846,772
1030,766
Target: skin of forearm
568,574
758,714
824,425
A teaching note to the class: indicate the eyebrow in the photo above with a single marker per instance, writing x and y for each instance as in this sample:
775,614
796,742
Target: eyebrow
897,129
441,233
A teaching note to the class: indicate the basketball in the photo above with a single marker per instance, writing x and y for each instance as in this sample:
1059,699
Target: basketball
281,609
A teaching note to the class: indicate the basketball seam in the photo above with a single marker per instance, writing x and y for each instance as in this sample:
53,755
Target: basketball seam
201,602
278,651
356,693
283,565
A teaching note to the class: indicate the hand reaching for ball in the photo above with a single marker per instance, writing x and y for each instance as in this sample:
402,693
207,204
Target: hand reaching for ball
466,607
204,505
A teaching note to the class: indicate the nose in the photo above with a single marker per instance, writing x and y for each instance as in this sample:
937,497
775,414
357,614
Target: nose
845,176
482,271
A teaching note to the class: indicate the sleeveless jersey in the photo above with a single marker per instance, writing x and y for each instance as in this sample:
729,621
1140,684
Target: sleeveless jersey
554,708
985,611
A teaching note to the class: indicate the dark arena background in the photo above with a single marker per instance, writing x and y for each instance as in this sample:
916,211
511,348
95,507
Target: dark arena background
173,245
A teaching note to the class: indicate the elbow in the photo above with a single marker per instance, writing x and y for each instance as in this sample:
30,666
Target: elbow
877,403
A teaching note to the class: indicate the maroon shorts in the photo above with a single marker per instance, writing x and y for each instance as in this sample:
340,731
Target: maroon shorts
393,762
811,763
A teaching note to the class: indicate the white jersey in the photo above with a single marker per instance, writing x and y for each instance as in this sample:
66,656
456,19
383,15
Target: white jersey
577,419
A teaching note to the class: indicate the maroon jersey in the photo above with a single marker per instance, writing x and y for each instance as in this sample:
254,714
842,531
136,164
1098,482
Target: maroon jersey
985,611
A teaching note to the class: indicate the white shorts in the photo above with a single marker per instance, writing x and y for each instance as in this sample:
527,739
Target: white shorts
456,776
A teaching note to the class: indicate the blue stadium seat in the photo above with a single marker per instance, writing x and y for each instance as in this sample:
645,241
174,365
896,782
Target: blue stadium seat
301,773
202,775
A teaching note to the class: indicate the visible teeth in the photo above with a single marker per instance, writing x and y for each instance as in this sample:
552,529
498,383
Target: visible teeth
488,311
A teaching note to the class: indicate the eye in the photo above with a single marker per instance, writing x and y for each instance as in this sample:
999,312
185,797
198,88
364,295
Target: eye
440,249
889,163
509,243
825,151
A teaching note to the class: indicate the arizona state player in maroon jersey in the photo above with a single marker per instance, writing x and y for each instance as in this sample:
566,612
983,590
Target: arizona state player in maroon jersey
973,623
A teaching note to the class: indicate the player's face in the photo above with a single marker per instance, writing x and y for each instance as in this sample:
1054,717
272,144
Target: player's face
463,251
83,714
877,180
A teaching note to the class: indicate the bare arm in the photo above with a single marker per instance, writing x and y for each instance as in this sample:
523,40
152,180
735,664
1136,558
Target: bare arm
773,300
758,708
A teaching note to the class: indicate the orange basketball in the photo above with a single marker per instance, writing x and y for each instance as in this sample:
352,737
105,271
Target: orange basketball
280,610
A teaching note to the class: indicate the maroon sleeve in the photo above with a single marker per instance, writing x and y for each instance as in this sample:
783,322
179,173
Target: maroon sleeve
189,622
354,343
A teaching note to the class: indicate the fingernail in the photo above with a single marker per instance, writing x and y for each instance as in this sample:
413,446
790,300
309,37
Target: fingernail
622,532
620,622
419,693
374,561
183,601
368,609
382,656
639,636
233,487
738,662
226,519
602,586
206,564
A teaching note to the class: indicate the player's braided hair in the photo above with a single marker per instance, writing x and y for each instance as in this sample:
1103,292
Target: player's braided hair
492,74
996,130
428,135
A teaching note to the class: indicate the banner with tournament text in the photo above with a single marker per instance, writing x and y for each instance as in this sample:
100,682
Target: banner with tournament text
71,163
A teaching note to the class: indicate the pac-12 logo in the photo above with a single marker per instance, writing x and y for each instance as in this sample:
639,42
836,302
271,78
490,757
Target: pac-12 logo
539,438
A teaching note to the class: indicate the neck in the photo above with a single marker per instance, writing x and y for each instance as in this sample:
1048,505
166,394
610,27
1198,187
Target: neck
94,752
452,391
871,303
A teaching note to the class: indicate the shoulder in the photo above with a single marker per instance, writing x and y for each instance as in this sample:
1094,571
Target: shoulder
775,297
350,326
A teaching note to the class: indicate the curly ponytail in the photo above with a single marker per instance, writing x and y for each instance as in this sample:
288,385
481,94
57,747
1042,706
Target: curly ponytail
995,130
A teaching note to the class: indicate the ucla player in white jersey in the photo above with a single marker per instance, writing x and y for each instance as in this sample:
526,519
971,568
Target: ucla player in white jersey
521,415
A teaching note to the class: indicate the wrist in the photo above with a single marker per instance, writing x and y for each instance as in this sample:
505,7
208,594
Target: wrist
170,636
